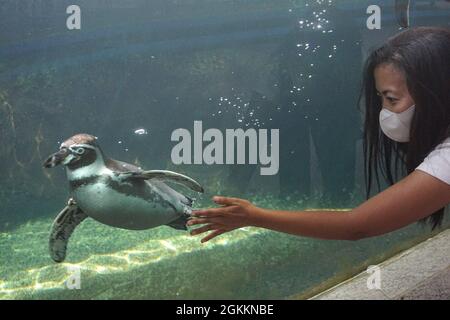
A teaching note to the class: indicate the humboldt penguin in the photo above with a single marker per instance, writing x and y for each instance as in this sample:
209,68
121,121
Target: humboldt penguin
114,193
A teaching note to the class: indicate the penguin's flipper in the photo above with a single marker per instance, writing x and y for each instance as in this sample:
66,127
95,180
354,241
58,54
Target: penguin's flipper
165,175
63,226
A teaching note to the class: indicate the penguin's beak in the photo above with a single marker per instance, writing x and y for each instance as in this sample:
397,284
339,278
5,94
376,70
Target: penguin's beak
56,158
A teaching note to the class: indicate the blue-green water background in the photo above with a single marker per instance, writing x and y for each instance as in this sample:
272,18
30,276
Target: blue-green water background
160,65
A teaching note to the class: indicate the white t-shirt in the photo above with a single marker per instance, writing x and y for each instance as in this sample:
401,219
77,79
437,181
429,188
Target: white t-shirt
437,163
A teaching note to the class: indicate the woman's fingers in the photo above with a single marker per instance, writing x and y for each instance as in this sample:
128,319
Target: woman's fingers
208,227
213,212
194,221
228,201
213,235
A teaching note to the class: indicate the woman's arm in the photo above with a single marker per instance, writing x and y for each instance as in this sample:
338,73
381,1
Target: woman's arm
409,200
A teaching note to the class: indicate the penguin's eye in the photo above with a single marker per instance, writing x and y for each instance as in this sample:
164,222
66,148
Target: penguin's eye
79,150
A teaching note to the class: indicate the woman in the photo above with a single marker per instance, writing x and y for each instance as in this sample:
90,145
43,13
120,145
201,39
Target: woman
407,119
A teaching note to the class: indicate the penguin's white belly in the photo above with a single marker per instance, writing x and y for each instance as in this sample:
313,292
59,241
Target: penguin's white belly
120,210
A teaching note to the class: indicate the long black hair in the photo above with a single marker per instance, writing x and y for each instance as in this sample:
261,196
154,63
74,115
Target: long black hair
422,54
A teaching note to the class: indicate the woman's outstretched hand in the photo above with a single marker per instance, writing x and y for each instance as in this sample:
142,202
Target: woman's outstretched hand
234,213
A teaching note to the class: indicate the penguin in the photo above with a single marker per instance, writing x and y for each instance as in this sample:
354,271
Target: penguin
114,193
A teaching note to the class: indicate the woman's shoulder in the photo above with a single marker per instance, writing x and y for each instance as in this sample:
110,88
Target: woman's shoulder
445,143
442,147
437,163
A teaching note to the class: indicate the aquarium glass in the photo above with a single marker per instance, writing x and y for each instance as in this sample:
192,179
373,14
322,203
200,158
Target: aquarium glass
139,75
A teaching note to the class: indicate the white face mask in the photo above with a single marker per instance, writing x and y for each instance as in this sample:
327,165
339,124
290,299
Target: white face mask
397,125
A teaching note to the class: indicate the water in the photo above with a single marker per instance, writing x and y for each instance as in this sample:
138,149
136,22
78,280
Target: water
137,71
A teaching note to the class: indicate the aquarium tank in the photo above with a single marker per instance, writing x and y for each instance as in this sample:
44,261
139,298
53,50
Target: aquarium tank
143,75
